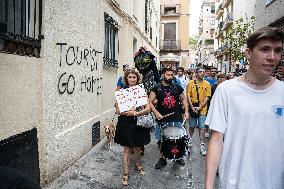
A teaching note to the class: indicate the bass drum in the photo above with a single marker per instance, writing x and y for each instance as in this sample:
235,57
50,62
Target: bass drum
173,144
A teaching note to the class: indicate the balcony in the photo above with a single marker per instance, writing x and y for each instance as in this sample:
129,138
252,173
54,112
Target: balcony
170,10
218,52
170,45
220,11
228,22
226,3
219,32
222,50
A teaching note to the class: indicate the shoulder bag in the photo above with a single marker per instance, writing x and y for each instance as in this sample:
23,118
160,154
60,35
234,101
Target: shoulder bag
146,121
191,112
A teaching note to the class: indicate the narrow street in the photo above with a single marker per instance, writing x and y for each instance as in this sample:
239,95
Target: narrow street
102,169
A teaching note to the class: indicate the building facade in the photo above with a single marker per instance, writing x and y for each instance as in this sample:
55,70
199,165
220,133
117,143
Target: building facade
174,33
59,64
206,28
227,12
271,13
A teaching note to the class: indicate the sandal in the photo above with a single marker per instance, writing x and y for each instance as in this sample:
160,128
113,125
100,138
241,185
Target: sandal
140,169
124,180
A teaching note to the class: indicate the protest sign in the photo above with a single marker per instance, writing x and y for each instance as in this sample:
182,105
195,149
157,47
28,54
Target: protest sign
131,97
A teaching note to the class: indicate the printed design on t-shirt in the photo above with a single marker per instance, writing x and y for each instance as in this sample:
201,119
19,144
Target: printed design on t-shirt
278,110
169,101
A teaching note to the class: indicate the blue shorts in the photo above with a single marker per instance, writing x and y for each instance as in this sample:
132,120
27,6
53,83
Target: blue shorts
158,128
198,121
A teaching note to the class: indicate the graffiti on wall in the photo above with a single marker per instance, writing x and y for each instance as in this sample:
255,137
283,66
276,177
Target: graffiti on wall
72,56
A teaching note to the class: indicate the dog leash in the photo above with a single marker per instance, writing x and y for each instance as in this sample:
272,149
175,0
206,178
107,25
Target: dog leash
111,119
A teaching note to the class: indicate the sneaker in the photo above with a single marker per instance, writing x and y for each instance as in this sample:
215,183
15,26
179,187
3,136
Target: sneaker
181,162
161,163
202,149
207,134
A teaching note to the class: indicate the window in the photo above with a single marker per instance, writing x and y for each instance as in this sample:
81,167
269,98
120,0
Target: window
170,38
170,10
170,31
111,42
20,26
212,21
213,9
212,32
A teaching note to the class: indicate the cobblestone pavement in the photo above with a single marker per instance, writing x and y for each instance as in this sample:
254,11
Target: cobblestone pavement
102,169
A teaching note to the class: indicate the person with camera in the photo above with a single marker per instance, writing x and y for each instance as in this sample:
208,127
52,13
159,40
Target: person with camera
198,94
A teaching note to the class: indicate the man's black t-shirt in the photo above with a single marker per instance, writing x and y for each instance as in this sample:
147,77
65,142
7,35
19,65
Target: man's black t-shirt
168,101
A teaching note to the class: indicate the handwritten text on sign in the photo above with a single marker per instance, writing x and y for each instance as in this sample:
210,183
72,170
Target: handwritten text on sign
131,97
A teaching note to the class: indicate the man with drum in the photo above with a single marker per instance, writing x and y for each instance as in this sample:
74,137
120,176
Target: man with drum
169,112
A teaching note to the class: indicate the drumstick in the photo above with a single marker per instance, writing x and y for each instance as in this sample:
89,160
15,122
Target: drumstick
168,114
183,122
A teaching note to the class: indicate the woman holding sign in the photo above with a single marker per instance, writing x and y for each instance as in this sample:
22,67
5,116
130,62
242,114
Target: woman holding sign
128,134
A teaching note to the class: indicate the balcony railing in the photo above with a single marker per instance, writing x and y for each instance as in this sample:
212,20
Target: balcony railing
228,21
170,45
219,11
221,50
170,10
226,3
219,32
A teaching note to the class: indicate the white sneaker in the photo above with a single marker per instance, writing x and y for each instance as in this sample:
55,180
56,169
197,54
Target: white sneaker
207,134
202,149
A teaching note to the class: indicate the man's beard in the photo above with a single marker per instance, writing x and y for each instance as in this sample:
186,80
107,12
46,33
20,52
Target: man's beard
168,81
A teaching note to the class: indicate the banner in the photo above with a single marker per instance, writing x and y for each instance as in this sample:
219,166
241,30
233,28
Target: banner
131,97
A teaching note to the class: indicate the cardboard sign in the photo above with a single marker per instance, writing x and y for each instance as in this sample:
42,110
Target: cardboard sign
131,97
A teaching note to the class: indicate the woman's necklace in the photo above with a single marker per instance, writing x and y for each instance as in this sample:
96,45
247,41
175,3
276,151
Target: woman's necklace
258,84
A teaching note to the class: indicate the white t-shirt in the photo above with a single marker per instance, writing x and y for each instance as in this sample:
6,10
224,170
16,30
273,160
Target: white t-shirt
184,82
253,125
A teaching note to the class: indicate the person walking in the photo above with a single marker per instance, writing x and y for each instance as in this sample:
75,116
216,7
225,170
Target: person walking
221,77
212,79
198,94
120,84
127,133
246,117
181,76
168,96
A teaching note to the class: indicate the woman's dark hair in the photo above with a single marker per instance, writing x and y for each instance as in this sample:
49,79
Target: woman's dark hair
264,33
132,71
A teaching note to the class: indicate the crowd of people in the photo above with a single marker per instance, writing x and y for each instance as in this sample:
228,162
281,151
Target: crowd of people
242,112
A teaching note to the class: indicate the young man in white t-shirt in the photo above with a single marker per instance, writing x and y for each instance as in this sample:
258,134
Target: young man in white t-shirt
246,117
182,78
